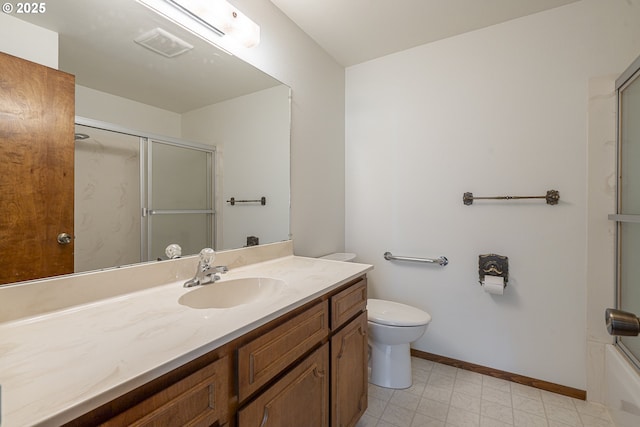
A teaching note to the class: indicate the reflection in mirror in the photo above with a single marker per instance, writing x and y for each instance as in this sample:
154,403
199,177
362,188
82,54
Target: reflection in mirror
137,195
179,205
107,199
204,96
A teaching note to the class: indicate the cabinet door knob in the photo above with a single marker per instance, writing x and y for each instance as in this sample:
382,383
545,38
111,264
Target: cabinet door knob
64,239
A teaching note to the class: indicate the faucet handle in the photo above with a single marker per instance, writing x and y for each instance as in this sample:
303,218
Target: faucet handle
173,251
207,255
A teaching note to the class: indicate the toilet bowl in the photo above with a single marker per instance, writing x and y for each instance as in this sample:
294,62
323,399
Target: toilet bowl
392,327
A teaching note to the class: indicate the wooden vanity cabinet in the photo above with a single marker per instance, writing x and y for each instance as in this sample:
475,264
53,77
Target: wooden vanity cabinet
306,368
327,387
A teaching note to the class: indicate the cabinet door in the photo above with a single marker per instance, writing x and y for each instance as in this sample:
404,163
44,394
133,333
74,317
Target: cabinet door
299,399
37,109
349,382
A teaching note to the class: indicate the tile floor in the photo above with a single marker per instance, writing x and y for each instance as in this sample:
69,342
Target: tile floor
444,396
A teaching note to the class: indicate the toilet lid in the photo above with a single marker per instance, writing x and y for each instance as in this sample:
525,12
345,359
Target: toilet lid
395,314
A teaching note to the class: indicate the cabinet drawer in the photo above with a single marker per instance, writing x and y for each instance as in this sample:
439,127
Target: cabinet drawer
200,399
348,303
265,357
300,398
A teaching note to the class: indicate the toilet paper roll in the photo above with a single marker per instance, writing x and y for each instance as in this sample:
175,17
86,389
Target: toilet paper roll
493,285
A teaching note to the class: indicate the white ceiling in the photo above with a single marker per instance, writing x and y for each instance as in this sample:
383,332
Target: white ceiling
354,31
96,42
96,45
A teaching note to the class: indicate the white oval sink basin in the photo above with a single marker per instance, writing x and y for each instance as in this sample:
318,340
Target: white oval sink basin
232,293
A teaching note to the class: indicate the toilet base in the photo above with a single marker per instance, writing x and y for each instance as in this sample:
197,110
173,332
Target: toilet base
390,365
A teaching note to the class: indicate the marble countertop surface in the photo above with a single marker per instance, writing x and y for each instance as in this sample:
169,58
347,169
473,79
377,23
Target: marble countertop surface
59,365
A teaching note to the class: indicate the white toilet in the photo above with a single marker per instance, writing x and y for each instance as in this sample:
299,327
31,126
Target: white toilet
392,327
340,256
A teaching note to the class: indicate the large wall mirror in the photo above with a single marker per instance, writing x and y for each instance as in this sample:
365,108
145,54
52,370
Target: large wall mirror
204,97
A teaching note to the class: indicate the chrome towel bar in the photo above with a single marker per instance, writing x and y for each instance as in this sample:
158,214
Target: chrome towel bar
233,201
552,197
440,261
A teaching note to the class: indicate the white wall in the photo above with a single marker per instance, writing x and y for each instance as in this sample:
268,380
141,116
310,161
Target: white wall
498,111
317,131
28,41
133,115
257,124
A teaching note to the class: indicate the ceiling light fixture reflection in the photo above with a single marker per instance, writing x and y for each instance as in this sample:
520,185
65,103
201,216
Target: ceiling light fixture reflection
209,19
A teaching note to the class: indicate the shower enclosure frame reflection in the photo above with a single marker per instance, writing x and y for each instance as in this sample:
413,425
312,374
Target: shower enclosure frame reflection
154,211
146,140
627,215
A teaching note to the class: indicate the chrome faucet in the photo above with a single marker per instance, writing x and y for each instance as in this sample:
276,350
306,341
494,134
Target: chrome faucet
206,272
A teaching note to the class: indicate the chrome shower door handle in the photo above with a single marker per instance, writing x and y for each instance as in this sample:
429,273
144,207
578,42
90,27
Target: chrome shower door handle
621,323
64,239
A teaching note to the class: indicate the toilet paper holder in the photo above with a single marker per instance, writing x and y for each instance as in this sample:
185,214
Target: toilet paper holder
493,265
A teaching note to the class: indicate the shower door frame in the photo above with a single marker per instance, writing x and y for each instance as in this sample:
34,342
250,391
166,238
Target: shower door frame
144,139
146,191
629,76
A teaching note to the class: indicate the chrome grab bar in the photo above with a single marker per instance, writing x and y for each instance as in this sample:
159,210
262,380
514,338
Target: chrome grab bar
442,261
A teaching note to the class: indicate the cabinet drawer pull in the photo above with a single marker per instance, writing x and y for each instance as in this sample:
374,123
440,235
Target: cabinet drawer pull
265,417
251,369
212,397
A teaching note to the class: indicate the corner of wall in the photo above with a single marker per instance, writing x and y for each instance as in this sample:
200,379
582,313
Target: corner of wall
601,181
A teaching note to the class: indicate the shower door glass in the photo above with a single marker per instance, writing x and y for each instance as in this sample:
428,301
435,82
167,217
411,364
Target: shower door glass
107,199
179,198
629,204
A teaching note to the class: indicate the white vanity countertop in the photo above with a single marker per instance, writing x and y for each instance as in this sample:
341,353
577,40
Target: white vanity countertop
58,366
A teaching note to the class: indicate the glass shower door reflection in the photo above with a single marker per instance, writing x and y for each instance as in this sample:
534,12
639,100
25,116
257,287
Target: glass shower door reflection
629,207
107,199
180,198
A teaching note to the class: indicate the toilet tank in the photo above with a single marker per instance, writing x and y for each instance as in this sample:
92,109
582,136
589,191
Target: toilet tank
340,256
